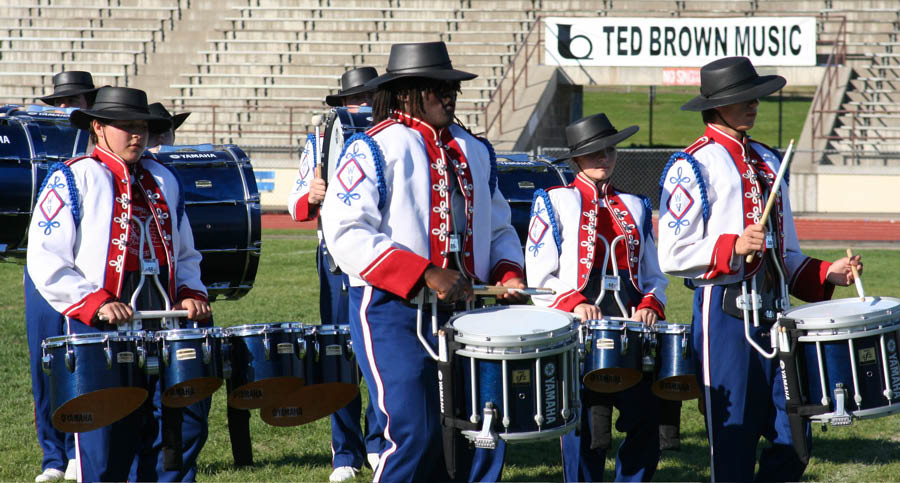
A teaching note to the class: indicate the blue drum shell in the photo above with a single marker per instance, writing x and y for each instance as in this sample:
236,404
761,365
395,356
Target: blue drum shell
607,367
92,395
870,363
188,372
524,394
332,379
257,380
676,377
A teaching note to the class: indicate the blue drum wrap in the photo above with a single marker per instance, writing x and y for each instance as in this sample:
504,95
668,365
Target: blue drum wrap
268,363
95,379
190,364
612,356
332,379
222,203
675,375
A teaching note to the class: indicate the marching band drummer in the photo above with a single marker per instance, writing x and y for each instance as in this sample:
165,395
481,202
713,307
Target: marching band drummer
569,237
84,260
70,89
347,443
711,205
167,137
414,205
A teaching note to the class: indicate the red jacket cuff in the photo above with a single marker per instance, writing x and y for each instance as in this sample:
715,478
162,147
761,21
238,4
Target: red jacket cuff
568,301
651,302
505,270
397,271
720,262
304,211
85,309
811,281
185,292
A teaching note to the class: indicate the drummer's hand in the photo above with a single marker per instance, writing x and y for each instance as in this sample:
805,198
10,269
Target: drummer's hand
646,316
115,313
751,241
587,312
450,285
512,297
316,191
197,309
839,273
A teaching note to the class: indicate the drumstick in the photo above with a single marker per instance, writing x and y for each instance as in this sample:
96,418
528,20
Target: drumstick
785,161
498,290
856,279
155,314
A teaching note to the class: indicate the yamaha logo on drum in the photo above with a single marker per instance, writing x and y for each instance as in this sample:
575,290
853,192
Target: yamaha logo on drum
893,364
550,393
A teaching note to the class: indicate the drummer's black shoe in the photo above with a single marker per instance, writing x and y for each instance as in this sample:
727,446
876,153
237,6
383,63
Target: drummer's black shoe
669,437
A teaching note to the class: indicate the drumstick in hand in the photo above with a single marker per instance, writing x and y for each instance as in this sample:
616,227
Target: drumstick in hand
856,279
785,161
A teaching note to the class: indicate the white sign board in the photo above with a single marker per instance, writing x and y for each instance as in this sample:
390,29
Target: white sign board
679,42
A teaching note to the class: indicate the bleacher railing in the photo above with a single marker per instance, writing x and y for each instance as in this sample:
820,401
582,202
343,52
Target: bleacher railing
295,129
824,100
516,70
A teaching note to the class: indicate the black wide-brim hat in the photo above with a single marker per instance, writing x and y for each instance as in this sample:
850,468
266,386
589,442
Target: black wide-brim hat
71,83
352,82
120,104
428,60
593,133
731,80
157,109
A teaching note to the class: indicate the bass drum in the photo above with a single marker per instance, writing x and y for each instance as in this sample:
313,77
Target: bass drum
518,177
340,125
222,203
30,140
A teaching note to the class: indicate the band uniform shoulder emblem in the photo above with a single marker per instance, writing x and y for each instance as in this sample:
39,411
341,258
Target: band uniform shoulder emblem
350,176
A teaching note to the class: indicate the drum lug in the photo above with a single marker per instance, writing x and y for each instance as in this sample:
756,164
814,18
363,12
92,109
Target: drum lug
207,352
624,339
301,348
316,350
70,359
45,363
142,356
349,351
226,359
684,346
165,353
266,345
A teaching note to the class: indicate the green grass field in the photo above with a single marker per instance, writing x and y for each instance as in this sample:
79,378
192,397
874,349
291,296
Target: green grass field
673,127
287,290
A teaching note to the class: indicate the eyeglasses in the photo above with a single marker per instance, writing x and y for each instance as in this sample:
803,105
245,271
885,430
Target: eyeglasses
446,89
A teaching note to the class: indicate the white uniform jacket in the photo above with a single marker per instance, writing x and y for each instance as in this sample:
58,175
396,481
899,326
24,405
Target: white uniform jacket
562,243
709,194
298,199
387,210
79,231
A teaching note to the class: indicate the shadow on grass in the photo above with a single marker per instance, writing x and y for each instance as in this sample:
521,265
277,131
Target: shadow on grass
284,461
855,450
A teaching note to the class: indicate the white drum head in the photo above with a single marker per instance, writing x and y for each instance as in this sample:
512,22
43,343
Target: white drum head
510,325
849,312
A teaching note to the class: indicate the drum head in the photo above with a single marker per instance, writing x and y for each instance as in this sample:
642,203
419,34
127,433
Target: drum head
612,379
267,392
849,312
310,403
190,392
97,409
677,388
510,325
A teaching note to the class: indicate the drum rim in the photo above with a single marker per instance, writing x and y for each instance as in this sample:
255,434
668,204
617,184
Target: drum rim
94,338
859,320
187,333
512,340
329,329
671,328
260,329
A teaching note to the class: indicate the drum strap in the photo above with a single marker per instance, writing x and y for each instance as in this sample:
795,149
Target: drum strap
239,433
172,419
454,444
793,400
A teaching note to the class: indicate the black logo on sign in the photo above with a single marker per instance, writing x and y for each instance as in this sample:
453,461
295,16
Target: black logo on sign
564,41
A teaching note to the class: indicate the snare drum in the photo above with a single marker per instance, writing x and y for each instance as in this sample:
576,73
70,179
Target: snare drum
522,361
96,378
332,379
267,362
614,353
190,364
675,378
849,359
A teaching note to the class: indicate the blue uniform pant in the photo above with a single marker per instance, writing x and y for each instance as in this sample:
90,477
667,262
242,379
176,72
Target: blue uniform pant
402,378
743,396
638,454
347,443
41,321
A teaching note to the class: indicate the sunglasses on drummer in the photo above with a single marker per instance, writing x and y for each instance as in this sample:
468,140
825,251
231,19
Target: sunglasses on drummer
444,89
